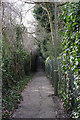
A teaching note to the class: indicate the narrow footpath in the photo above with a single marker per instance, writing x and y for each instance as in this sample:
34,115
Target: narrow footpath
38,101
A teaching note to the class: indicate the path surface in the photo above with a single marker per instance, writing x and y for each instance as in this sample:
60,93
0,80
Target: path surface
37,100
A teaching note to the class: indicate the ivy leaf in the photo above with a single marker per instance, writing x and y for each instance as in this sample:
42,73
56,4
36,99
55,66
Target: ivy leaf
74,24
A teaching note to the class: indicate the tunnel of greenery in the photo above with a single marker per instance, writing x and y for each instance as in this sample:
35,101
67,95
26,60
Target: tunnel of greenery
19,64
68,51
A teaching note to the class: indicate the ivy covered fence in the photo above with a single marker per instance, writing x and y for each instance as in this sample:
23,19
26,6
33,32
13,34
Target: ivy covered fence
68,59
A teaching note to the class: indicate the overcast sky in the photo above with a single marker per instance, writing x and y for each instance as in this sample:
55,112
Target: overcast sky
28,18
27,13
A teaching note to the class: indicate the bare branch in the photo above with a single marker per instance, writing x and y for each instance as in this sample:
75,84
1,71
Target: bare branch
60,4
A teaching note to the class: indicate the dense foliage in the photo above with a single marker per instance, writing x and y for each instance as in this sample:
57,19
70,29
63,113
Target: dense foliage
15,63
69,59
18,61
70,64
43,29
41,16
12,97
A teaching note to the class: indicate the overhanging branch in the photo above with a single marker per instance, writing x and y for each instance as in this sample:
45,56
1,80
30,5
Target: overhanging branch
60,4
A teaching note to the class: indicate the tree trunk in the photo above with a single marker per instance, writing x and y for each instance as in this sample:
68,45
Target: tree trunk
51,22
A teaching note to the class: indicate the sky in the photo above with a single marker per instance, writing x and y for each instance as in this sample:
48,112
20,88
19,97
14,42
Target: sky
28,18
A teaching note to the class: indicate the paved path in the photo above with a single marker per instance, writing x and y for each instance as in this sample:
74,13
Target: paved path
37,102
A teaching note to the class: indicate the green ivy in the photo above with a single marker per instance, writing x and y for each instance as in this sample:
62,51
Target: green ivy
69,59
71,56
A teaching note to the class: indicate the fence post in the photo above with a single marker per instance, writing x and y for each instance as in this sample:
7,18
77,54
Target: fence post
55,45
65,85
53,72
71,86
59,72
